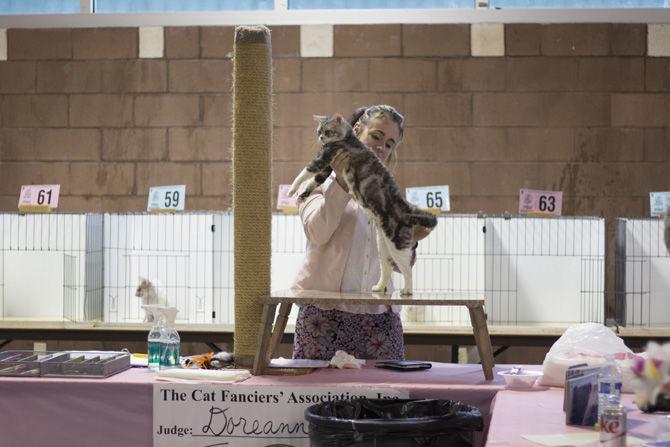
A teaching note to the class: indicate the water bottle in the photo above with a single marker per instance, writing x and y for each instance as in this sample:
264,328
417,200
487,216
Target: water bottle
609,385
154,341
170,340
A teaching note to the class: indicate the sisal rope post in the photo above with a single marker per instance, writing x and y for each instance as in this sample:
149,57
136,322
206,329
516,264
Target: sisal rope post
252,196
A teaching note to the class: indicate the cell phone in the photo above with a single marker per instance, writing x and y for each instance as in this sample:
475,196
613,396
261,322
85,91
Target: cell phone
404,365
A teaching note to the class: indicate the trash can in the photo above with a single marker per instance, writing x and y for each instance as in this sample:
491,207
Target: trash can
392,423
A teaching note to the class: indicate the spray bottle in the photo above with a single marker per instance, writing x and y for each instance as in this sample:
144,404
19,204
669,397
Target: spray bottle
170,339
154,345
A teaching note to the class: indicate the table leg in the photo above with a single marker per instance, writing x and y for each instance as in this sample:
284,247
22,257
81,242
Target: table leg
481,332
279,328
264,334
454,353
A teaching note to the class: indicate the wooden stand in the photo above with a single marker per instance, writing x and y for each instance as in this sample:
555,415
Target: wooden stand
271,331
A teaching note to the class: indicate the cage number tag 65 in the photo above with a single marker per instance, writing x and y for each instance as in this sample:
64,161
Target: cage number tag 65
39,198
167,198
429,197
533,201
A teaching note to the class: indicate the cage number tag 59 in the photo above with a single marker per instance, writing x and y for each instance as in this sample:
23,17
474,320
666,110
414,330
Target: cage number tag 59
533,201
167,198
658,203
39,198
429,197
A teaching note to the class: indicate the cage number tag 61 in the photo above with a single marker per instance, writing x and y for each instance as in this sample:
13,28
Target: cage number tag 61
429,197
167,198
546,202
39,198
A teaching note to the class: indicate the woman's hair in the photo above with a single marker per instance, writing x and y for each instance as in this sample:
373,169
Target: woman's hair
364,115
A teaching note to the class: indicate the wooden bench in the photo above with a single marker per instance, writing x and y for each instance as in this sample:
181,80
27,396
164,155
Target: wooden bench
271,331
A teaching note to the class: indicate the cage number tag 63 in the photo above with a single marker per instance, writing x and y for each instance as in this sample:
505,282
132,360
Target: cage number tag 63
39,198
534,201
167,198
429,197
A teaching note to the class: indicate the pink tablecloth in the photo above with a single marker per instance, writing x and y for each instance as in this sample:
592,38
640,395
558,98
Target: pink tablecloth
540,412
118,411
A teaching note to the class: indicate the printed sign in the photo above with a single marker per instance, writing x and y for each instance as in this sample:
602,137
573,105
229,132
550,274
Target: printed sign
545,202
39,198
234,415
429,197
284,202
658,203
167,198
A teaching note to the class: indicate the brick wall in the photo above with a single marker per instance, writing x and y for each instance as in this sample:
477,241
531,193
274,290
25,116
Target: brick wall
577,108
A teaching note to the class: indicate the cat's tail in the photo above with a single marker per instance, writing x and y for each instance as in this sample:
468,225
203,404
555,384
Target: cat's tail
423,218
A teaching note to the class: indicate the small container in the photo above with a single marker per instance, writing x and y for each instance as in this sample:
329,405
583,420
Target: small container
90,364
613,426
22,363
170,340
609,385
518,378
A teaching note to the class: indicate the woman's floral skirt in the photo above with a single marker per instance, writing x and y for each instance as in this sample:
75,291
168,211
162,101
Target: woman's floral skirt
319,333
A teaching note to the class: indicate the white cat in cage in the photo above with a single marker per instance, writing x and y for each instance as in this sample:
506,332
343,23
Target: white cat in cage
149,294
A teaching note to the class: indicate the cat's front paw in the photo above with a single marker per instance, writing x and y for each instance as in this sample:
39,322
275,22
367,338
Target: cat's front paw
405,292
378,288
291,192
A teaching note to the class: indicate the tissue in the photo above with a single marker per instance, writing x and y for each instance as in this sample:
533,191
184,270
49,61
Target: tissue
343,360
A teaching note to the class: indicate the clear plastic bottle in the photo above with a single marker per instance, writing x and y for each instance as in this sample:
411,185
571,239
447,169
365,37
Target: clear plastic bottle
609,385
170,340
154,341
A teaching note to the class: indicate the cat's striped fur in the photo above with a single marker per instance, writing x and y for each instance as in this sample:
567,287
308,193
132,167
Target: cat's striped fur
374,188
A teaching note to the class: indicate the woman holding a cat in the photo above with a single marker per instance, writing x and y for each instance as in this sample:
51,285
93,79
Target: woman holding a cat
342,256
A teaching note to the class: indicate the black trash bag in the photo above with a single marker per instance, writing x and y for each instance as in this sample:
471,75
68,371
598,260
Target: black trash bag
393,423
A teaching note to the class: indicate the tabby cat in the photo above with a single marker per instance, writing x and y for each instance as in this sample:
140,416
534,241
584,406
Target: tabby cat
374,188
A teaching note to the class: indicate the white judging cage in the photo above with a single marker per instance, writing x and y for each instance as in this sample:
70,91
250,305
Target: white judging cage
51,266
541,270
174,251
189,259
450,259
529,270
642,273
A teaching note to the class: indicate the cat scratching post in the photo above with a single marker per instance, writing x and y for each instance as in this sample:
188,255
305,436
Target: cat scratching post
252,158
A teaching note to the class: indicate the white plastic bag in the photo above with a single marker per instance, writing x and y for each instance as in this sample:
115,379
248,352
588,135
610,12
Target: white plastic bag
588,343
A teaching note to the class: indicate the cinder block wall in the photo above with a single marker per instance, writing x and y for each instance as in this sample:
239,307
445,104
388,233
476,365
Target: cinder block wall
580,108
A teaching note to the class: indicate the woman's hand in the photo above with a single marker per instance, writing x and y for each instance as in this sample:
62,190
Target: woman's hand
421,232
338,164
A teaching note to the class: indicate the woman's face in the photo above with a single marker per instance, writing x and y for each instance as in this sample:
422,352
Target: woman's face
381,135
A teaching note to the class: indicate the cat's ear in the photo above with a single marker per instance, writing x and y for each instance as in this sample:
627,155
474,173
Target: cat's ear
338,118
143,280
319,118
